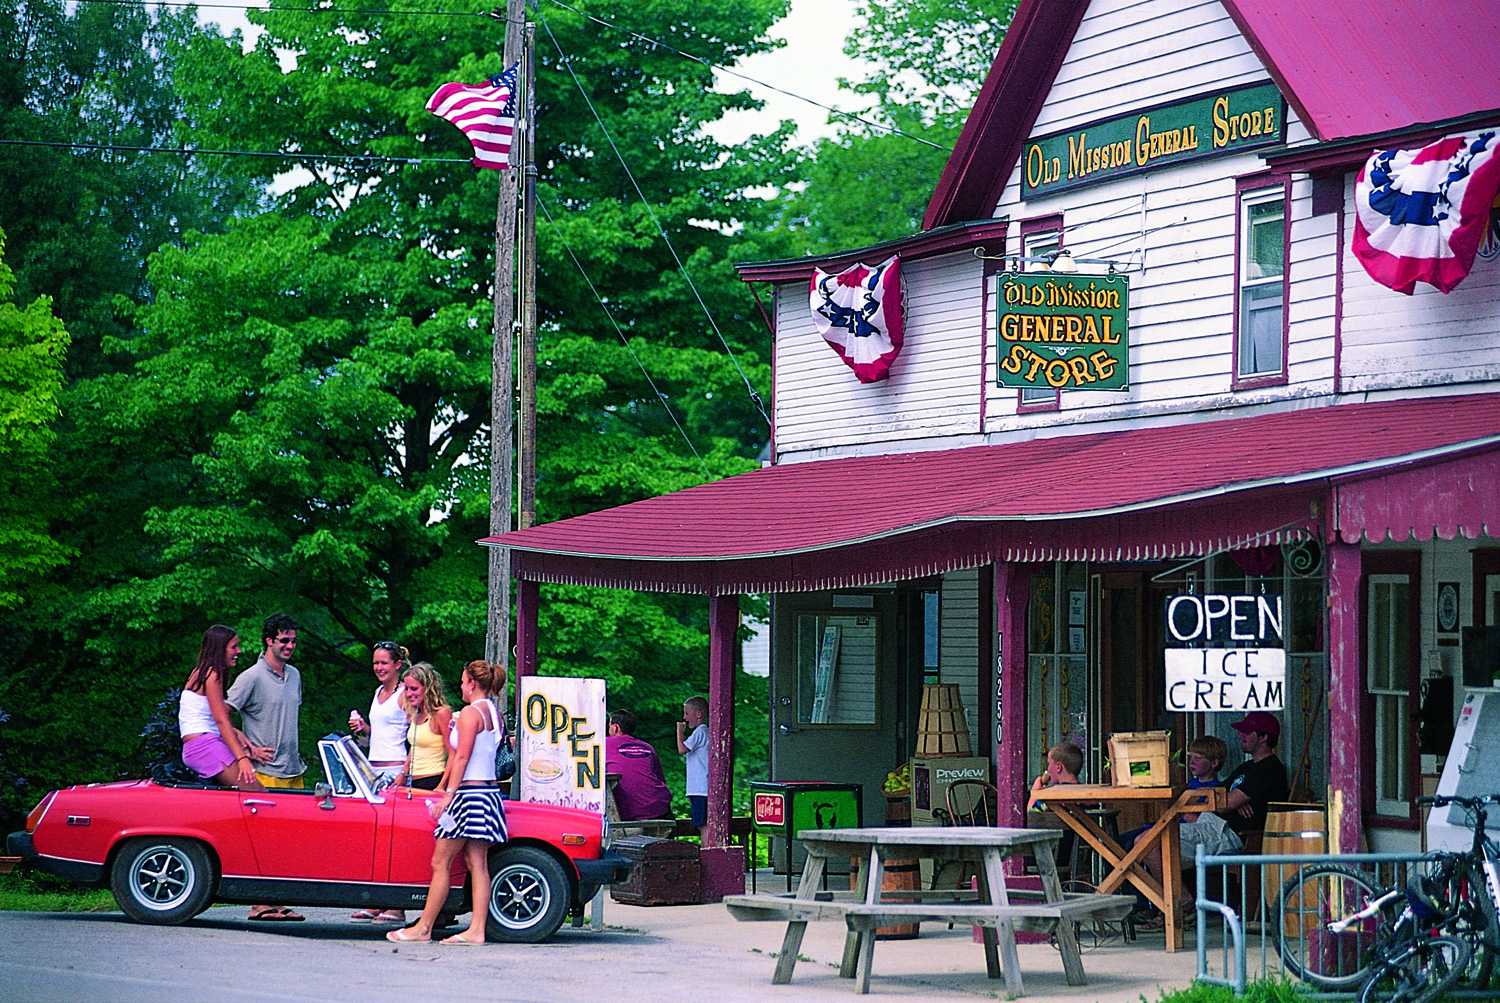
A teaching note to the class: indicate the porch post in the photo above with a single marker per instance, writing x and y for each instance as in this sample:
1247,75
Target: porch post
722,865
1346,769
528,597
1012,591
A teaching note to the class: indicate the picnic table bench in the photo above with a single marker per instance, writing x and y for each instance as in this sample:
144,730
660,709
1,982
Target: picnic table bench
991,906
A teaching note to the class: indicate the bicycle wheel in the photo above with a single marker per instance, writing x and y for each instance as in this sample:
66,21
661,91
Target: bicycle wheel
1309,901
1474,920
1419,972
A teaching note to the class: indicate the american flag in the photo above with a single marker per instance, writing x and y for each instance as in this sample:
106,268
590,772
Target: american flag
486,113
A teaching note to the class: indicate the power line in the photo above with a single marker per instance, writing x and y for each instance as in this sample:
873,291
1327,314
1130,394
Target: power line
190,152
755,397
625,341
852,116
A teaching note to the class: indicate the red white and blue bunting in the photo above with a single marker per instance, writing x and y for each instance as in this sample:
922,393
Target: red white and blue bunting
1420,214
861,312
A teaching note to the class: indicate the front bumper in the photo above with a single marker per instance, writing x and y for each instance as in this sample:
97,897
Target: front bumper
609,868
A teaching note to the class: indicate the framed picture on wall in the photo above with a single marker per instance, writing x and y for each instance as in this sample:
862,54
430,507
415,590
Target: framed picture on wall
1447,607
1077,607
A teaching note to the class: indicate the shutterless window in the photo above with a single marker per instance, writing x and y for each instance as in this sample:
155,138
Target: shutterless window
1262,277
1388,675
836,669
1040,245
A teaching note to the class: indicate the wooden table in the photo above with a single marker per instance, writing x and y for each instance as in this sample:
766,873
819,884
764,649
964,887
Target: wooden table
991,906
1071,802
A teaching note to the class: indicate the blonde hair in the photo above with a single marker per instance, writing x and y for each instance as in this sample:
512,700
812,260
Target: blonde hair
433,698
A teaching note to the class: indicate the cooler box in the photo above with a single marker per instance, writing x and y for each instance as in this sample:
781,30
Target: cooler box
785,808
662,872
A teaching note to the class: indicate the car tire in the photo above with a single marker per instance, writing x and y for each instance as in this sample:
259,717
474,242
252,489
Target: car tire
529,895
162,882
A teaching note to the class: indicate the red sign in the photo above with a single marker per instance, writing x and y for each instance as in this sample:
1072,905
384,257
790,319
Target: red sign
770,809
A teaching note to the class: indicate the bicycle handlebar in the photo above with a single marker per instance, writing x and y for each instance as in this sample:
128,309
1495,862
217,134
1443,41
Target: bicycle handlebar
1441,800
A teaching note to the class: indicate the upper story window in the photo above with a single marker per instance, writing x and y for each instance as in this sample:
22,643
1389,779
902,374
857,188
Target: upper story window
1260,320
1039,239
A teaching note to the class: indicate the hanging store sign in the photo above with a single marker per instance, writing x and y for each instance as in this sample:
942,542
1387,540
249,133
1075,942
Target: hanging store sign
1242,664
1223,122
1062,332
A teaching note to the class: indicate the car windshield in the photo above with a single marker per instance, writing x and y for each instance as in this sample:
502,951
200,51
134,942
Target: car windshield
356,756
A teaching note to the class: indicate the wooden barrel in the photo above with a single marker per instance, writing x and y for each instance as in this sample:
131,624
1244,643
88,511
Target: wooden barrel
1300,829
900,876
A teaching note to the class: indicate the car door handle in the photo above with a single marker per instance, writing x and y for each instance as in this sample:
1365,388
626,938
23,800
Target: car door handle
254,803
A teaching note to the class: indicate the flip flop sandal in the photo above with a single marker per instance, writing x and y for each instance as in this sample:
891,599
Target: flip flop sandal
457,941
390,916
364,916
278,916
398,936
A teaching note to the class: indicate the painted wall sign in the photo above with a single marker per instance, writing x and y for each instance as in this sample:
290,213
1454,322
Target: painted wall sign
1223,122
1062,332
1243,668
561,736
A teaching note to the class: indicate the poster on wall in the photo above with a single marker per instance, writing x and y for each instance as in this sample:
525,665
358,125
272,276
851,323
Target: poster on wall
1225,654
1062,332
560,737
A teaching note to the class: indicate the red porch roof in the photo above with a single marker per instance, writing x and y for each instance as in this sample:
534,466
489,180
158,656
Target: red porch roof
1047,487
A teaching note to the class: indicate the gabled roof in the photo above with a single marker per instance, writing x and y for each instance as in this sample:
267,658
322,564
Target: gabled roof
1349,67
808,508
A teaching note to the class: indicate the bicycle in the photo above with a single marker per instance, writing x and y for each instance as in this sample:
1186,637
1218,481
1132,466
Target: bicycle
1469,884
1341,930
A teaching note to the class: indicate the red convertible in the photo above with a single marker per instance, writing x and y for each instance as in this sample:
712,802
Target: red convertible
171,846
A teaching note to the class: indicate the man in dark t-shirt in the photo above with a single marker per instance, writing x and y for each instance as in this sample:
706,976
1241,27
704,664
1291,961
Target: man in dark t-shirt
1255,784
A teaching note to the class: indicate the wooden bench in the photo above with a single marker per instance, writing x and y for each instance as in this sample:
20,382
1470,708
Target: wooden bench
941,906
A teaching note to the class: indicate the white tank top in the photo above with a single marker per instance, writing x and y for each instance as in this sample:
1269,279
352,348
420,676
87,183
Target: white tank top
387,728
481,765
194,717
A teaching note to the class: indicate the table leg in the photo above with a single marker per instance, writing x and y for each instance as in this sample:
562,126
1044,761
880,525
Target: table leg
812,876
993,891
1171,884
1067,937
867,890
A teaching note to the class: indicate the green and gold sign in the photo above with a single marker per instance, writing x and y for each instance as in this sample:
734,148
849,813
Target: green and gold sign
1224,122
1062,332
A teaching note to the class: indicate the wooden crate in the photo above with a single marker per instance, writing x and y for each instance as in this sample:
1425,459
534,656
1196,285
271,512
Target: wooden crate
1139,759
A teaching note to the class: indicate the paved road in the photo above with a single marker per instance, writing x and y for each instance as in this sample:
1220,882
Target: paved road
689,953
221,958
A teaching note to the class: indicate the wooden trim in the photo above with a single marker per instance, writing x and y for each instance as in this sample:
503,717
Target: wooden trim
1261,182
1408,563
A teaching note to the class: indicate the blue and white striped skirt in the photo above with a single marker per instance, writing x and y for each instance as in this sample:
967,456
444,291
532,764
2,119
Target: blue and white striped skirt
474,813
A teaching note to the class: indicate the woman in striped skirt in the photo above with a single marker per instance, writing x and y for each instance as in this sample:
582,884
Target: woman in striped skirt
471,815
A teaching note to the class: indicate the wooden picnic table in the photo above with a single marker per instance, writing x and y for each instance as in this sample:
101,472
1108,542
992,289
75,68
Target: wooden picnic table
991,906
1070,802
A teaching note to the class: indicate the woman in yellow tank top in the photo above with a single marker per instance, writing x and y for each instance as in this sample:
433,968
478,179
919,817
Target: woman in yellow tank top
428,716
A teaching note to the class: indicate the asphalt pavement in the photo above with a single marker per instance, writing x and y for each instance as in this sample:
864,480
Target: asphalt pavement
644,955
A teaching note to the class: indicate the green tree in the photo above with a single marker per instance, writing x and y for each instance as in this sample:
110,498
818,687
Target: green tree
872,183
81,221
32,346
300,420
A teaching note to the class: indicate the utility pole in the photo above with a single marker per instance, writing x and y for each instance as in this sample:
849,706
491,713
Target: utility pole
502,391
528,290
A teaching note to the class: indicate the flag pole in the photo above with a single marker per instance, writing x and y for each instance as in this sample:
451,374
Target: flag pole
502,389
528,285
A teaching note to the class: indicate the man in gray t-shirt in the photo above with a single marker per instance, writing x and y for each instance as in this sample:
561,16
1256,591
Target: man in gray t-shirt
268,696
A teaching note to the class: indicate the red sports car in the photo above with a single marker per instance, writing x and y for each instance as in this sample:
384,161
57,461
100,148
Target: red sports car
171,846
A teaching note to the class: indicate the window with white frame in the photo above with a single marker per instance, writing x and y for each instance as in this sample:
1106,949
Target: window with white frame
1388,674
1043,245
1262,269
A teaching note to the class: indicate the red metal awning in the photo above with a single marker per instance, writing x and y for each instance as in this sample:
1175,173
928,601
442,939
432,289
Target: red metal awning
918,512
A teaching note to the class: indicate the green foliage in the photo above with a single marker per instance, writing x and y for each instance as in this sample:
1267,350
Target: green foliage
1257,991
32,346
33,891
291,410
868,185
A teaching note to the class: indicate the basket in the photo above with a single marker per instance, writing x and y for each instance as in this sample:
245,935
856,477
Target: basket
942,729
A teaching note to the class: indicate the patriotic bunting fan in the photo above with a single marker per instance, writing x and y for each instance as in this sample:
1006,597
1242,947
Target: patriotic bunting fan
860,313
1420,214
486,113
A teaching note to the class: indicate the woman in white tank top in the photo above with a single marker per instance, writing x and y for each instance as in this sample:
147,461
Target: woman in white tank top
211,745
384,735
471,815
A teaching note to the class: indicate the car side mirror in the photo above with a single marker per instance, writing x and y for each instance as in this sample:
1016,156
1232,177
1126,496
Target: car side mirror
325,792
